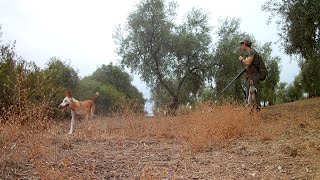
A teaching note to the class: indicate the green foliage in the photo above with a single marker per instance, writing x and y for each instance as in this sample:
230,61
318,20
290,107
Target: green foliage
310,81
299,21
114,76
268,87
281,93
300,31
108,99
118,78
111,99
29,93
208,94
226,57
295,90
172,56
63,76
86,89
7,65
26,92
62,73
292,92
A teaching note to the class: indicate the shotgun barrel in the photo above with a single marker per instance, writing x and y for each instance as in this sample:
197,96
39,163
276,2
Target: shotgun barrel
243,71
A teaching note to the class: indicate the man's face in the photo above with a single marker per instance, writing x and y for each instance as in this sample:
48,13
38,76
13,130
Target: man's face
243,47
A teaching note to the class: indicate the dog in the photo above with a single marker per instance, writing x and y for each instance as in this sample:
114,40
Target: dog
85,108
252,92
252,95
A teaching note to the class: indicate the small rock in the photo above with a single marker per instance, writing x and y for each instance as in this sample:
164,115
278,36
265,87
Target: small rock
66,146
308,170
253,174
290,150
279,168
293,153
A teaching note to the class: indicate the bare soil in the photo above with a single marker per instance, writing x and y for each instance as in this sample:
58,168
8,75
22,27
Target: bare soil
280,142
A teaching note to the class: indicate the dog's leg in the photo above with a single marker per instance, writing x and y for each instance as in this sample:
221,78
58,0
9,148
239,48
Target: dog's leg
87,116
249,98
253,99
72,122
91,113
92,109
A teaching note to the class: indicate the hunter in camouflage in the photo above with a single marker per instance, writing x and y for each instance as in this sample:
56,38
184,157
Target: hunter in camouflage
254,74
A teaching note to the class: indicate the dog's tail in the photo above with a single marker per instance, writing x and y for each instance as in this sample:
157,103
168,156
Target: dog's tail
95,96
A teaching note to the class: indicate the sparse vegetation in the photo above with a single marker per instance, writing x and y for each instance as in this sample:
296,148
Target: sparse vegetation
196,144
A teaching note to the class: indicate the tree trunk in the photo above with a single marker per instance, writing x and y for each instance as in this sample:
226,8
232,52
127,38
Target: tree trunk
174,106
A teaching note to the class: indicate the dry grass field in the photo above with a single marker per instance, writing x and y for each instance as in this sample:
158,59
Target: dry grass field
209,142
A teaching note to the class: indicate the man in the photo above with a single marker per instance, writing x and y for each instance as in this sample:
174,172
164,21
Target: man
252,61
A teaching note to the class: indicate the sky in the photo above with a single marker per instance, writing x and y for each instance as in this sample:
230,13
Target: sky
80,31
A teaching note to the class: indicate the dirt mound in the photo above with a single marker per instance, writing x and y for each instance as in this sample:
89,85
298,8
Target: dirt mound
209,142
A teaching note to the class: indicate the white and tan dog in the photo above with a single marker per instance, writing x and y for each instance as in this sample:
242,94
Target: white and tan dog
85,108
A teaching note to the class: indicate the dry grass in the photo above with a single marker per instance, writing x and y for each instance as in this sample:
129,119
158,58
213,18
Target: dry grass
206,126
35,149
201,128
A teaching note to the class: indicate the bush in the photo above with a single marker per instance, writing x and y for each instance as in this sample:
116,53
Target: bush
28,94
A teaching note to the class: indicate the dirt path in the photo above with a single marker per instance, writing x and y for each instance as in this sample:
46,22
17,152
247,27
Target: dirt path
167,159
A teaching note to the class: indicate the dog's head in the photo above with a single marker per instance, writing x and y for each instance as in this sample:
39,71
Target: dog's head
67,101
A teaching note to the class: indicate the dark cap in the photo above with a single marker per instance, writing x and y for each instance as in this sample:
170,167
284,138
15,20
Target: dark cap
246,42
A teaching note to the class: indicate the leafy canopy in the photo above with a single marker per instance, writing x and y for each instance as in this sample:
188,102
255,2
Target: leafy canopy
172,56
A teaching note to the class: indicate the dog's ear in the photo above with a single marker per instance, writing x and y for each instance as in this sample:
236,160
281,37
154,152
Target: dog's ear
69,93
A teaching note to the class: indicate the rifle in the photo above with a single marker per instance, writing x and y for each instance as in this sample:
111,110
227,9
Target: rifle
243,71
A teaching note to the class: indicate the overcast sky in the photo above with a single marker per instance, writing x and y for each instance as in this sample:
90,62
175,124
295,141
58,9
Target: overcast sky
81,30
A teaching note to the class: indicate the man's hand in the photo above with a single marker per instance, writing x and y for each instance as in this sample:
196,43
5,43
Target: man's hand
240,58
